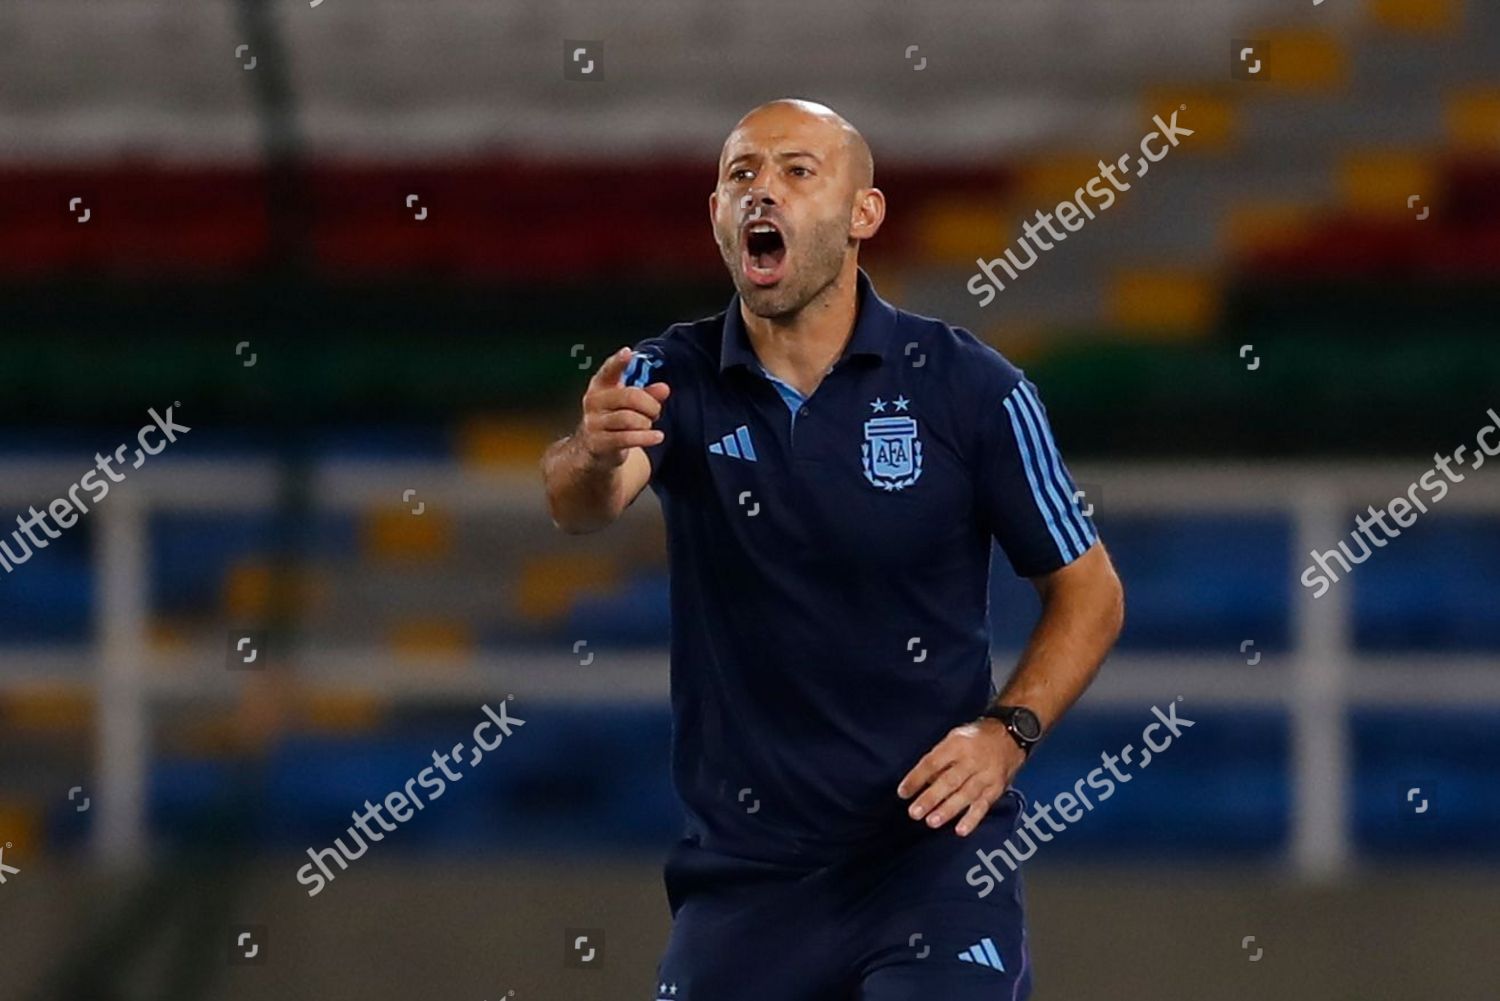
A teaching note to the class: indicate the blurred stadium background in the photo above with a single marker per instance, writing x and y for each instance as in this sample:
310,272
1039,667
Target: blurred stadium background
373,249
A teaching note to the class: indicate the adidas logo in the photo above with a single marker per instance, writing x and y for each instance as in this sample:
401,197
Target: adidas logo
984,953
736,445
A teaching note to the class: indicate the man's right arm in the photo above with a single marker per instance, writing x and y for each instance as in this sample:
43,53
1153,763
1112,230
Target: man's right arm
595,473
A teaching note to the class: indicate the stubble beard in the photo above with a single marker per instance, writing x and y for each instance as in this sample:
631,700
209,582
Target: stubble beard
825,246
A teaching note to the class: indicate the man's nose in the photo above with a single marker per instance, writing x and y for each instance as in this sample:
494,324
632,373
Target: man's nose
758,196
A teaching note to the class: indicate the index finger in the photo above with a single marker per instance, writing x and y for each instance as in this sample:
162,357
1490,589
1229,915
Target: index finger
614,366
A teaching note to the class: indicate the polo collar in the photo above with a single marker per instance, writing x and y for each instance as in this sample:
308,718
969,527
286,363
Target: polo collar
874,329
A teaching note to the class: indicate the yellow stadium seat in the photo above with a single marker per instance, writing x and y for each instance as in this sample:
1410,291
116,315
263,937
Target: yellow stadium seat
247,589
1306,61
1163,303
21,829
168,634
1255,225
1379,183
49,706
431,638
1473,120
401,536
252,593
549,584
344,712
1210,113
1417,16
958,230
1045,181
493,443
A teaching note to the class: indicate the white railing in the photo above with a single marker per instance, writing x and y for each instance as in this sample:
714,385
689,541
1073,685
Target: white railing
1317,682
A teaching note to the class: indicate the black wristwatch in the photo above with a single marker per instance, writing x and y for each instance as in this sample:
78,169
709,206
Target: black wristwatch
1021,723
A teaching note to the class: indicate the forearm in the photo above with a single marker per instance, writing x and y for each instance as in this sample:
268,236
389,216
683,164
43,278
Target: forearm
583,493
1082,613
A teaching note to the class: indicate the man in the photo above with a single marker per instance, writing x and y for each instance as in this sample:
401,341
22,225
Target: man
832,471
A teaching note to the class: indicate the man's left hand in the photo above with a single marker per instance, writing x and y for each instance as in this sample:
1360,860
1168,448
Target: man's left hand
964,774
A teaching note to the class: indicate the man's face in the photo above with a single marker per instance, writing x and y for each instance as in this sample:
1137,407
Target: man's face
783,207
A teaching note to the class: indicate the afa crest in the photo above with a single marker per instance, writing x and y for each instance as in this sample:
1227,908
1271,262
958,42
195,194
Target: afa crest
892,452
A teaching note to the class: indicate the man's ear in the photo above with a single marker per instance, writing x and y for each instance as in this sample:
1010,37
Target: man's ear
869,213
713,207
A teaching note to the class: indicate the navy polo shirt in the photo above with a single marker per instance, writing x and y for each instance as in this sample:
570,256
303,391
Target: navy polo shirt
830,562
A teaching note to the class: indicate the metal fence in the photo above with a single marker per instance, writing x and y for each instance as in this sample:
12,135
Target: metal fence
1319,680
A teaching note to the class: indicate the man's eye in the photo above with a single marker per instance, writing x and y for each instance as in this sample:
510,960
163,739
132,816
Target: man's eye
743,174
801,172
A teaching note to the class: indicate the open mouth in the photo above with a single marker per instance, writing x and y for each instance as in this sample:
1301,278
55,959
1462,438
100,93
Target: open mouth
765,253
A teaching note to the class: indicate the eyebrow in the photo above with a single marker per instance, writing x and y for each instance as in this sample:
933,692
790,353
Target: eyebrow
785,155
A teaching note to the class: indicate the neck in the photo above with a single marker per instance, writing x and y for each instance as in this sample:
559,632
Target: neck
800,348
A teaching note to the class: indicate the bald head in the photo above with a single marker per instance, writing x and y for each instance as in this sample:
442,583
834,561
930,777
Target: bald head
801,178
786,113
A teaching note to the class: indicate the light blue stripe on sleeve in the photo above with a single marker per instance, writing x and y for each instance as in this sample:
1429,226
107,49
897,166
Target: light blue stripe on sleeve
1071,512
1024,445
1049,483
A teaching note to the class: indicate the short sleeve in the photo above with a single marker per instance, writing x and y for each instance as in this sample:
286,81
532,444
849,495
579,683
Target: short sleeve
1025,492
648,364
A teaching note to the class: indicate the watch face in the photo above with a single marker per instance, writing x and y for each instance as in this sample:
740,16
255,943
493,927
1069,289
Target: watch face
1026,725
